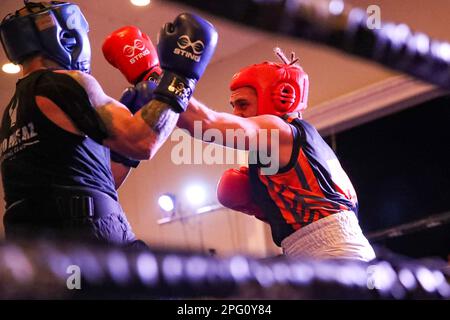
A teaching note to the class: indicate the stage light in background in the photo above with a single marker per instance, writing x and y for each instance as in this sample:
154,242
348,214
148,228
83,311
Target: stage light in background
336,7
196,194
11,68
193,203
140,3
167,202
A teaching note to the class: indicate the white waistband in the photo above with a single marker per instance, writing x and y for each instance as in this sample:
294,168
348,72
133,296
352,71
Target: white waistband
337,236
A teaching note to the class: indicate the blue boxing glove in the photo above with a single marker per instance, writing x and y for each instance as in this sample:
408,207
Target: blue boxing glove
134,98
185,48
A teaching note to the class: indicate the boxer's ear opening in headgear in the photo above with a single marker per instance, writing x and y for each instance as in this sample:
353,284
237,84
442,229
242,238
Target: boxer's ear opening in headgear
57,30
282,88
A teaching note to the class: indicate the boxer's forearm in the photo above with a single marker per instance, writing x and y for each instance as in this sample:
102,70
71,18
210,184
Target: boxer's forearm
196,112
237,132
140,136
222,121
210,119
161,119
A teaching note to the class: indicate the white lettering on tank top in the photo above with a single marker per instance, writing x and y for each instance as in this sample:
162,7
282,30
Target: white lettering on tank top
20,139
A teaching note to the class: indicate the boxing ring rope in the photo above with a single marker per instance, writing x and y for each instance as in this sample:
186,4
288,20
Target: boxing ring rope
332,23
43,270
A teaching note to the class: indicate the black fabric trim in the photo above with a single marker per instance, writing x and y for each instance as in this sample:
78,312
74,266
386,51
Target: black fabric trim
301,176
71,98
297,143
118,158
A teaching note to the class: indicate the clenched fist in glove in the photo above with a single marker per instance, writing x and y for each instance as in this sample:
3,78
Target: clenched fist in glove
134,98
234,192
133,53
185,48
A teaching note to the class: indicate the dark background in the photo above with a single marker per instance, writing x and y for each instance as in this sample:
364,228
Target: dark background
399,166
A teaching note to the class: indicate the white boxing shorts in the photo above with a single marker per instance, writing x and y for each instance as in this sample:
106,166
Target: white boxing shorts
337,236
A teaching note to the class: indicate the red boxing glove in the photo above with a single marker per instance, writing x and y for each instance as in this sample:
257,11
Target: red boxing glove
234,192
133,53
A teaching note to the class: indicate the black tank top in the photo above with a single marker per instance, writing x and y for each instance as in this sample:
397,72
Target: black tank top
36,154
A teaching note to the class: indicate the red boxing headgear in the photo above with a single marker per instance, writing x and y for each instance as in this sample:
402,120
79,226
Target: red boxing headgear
281,88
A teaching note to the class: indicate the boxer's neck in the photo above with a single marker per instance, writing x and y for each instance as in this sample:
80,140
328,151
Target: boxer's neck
37,63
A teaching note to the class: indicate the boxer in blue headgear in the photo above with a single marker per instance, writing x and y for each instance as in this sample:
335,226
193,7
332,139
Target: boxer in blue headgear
58,131
58,30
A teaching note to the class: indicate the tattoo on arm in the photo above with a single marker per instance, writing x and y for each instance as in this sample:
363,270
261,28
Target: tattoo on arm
160,117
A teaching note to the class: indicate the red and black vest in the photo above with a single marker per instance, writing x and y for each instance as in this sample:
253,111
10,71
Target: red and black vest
311,186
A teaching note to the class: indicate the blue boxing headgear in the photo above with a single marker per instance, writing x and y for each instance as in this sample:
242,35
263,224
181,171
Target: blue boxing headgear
57,30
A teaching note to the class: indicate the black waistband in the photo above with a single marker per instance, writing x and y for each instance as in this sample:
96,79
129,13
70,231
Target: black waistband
65,202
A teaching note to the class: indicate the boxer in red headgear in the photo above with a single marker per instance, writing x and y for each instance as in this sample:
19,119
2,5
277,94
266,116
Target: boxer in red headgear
305,197
281,88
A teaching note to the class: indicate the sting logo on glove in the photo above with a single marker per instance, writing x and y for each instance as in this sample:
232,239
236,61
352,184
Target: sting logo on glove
197,48
129,51
182,59
180,89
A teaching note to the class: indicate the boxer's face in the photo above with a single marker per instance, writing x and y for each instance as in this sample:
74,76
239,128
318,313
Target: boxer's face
244,102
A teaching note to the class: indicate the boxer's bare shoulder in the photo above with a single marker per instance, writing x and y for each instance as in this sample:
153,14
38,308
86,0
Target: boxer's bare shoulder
104,105
92,87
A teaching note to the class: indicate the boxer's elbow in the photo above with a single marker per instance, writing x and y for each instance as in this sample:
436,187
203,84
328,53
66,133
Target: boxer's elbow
146,147
131,145
147,150
144,151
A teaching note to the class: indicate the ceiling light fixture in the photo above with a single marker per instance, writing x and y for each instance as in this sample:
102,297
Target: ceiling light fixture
140,3
11,68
